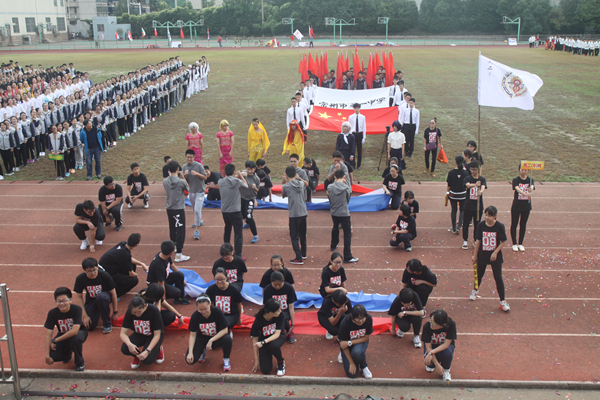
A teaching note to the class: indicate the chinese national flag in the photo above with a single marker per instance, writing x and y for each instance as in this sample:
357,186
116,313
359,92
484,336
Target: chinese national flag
331,119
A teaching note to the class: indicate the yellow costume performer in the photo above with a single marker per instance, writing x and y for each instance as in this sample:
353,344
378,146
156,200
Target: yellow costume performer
258,140
294,142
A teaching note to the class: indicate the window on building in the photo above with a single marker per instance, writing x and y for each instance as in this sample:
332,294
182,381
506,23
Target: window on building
62,3
60,24
55,3
100,27
30,25
16,25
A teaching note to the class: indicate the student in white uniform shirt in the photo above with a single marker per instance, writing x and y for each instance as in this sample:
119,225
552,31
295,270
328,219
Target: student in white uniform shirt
295,113
358,124
393,91
403,105
410,126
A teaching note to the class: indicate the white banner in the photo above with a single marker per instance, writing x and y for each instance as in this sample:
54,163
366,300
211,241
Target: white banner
298,34
345,99
503,86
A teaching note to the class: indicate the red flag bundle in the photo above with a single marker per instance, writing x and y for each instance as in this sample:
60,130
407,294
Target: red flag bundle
312,66
181,33
370,72
325,66
384,65
117,35
155,33
311,33
340,70
302,70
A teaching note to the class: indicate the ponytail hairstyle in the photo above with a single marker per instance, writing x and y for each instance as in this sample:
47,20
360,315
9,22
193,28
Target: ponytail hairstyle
339,297
137,302
459,161
440,317
203,298
271,305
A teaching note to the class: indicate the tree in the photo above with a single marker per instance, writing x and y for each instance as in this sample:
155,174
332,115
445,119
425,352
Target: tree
535,15
482,16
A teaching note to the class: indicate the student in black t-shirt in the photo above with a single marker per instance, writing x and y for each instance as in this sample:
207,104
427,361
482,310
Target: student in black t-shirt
99,293
457,193
137,187
419,278
409,199
208,330
212,184
355,330
155,294
166,172
490,239
392,186
404,230
333,310
521,207
439,336
71,332
121,266
264,188
262,165
312,171
267,338
147,333
276,265
111,202
233,265
88,225
227,298
407,311
173,282
472,147
475,185
285,294
333,276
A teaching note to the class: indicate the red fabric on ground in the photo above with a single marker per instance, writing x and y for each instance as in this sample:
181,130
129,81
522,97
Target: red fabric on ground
355,189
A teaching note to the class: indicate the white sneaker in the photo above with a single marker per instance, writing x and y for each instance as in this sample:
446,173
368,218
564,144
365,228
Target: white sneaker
429,369
328,336
521,248
515,247
181,258
146,205
447,377
399,333
84,244
367,374
1,177
473,295
231,334
504,306
129,205
417,342
465,245
340,359
98,242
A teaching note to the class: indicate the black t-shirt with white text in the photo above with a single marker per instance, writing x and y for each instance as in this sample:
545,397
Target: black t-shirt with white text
210,326
350,331
137,183
145,324
490,238
520,202
285,296
234,269
407,223
394,185
110,195
227,300
117,260
425,275
330,309
471,202
397,306
331,279
437,337
262,329
158,271
266,278
82,215
93,287
414,207
64,322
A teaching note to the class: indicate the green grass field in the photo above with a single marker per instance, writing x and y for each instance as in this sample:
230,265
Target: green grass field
563,130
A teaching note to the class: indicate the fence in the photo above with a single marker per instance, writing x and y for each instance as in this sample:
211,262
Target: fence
9,338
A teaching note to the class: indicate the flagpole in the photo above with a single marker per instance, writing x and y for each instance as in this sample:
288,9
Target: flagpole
479,160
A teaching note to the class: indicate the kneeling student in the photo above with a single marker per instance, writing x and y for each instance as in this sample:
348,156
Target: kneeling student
208,330
354,334
333,310
407,311
419,278
267,338
285,294
405,229
144,322
439,336
71,332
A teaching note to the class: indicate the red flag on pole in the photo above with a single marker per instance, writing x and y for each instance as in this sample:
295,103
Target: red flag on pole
340,70
155,33
129,36
318,66
325,66
302,68
312,67
390,71
181,33
311,33
300,64
347,63
117,35
384,65
356,66
362,65
370,72
377,62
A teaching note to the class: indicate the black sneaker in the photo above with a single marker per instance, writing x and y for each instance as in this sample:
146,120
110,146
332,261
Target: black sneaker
332,248
295,261
352,260
80,368
183,301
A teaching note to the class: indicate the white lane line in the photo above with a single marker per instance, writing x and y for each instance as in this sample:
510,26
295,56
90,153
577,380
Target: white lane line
109,245
299,268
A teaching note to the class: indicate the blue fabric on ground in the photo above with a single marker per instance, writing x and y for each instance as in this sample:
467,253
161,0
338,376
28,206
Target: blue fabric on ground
252,292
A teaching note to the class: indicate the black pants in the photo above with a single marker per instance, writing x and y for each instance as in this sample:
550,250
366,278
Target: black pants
469,216
129,123
70,346
346,153
402,238
43,141
335,235
24,151
396,200
234,220
177,228
31,153
456,204
247,214
433,158
232,319
18,156
332,329
298,234
405,323
121,126
168,317
8,160
423,291
200,346
409,133
268,351
71,159
515,216
358,141
37,145
124,283
143,341
99,308
482,263
175,286
117,213
80,229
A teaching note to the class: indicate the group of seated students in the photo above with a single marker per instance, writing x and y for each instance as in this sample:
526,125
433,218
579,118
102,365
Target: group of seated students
219,310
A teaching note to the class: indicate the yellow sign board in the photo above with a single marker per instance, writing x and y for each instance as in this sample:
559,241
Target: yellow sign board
533,165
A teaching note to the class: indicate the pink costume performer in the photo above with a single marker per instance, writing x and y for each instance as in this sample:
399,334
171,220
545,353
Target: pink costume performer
225,142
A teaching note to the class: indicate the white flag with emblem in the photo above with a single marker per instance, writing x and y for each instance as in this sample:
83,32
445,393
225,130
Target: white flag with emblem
503,86
298,34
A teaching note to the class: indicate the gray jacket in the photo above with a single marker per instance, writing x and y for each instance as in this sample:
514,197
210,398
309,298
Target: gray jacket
230,194
295,191
174,186
196,184
339,196
248,193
